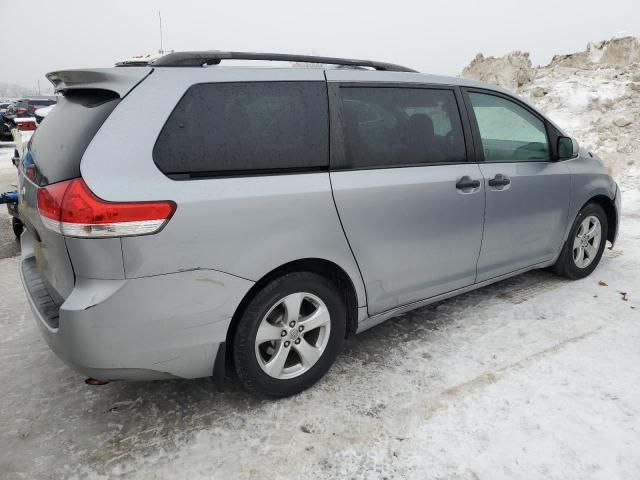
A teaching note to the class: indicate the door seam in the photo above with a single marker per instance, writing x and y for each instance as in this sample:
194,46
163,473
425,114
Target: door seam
346,237
484,219
333,198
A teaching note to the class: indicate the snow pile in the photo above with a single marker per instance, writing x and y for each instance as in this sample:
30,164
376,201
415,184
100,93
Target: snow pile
616,52
510,71
593,95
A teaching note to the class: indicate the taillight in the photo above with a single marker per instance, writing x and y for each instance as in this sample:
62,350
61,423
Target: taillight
30,173
26,126
73,210
21,110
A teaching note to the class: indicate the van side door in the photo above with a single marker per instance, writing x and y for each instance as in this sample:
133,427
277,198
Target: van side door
410,203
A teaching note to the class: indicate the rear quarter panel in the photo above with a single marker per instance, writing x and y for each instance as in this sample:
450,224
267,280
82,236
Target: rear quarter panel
245,226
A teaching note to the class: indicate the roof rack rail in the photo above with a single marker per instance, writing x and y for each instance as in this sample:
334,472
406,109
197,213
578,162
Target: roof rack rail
214,57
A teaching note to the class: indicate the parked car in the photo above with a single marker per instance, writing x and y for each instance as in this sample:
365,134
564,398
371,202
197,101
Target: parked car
21,130
20,137
26,107
5,130
260,216
41,113
22,109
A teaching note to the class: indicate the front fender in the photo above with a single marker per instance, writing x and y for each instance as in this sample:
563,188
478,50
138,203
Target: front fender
590,181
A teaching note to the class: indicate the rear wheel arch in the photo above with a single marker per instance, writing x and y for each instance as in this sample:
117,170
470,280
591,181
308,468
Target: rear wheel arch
333,272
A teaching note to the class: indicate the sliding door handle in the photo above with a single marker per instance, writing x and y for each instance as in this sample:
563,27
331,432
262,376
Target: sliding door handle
499,180
466,182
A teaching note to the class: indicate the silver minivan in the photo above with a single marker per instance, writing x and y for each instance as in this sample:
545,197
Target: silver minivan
185,217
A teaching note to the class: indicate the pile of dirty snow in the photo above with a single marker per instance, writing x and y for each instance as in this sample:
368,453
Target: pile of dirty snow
594,95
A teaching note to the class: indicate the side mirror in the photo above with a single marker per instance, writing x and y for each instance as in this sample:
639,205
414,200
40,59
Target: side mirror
567,148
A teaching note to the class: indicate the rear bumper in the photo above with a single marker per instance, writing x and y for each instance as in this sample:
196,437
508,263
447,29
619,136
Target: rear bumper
148,328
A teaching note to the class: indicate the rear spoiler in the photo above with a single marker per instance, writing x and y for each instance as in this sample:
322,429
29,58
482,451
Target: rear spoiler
118,80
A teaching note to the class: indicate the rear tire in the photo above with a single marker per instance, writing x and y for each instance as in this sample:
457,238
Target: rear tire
18,227
583,249
289,335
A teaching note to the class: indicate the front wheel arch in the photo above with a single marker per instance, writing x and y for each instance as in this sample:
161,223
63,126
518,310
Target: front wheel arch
609,207
565,265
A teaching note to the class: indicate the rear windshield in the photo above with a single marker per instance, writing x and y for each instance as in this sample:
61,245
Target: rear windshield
58,144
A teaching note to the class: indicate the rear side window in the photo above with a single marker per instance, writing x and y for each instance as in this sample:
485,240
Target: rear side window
245,128
508,131
57,146
386,126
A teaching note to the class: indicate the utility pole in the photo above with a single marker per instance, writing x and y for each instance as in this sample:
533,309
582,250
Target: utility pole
161,48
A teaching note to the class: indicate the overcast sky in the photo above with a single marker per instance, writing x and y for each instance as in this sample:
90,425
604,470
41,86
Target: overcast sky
438,37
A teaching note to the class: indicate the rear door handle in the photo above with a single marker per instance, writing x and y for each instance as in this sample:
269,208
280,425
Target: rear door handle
466,182
499,180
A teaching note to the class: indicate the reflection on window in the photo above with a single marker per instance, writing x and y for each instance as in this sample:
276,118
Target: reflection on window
508,131
401,126
220,128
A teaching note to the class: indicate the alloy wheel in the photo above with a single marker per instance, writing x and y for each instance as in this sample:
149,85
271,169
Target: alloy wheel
293,335
587,241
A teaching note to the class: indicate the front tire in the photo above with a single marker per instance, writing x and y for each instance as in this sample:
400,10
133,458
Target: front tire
583,249
289,334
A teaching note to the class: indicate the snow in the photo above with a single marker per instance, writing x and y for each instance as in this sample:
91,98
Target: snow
7,170
6,153
593,95
529,378
24,120
43,112
533,377
587,106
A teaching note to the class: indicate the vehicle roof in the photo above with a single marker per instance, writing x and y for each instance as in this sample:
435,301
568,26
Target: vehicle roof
341,69
358,75
112,78
215,57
